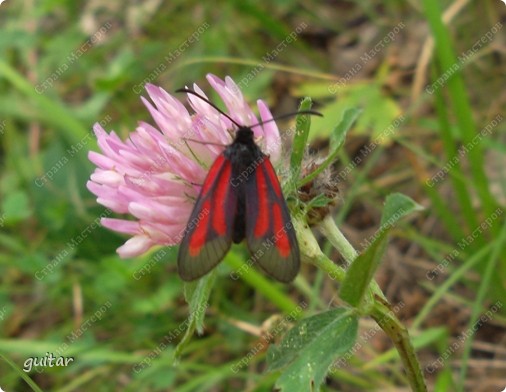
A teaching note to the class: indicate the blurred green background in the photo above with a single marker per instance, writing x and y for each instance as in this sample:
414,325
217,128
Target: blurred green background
66,65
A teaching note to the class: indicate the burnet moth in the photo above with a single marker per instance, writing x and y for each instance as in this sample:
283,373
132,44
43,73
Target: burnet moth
240,198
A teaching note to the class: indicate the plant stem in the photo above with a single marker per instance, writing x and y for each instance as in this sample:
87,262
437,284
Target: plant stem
330,230
334,271
337,239
399,335
380,309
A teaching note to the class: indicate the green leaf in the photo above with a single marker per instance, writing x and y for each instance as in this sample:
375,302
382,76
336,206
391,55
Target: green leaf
197,295
340,131
397,206
319,201
337,139
303,123
310,348
361,271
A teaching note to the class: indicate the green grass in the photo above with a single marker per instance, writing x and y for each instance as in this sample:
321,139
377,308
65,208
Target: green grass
50,287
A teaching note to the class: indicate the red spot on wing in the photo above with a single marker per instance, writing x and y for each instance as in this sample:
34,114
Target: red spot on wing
199,235
214,172
262,221
220,198
273,178
282,241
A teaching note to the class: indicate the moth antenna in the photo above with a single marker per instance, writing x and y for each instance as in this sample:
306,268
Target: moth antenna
188,91
313,112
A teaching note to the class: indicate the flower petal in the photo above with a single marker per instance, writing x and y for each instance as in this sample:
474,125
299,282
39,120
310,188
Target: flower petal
135,246
272,139
121,225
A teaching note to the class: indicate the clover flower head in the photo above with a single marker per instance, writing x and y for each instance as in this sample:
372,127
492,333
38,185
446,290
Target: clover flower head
155,174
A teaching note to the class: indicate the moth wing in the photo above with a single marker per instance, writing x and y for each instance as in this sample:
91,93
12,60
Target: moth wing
270,234
208,234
